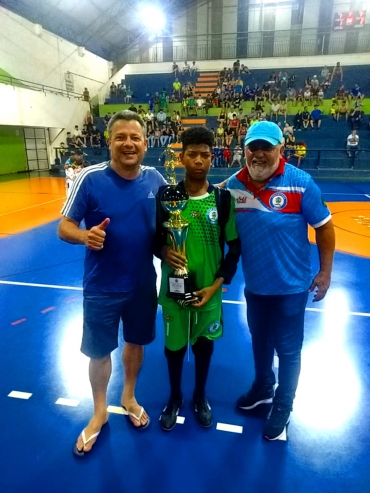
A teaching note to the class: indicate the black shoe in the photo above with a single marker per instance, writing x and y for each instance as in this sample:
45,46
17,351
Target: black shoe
256,396
203,413
168,418
276,423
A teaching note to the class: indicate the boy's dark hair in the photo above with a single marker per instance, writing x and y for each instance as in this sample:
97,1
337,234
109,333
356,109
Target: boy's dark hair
197,136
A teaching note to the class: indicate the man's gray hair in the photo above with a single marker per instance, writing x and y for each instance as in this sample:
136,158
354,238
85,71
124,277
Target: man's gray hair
128,116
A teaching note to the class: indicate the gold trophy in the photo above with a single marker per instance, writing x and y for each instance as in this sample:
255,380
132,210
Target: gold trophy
174,200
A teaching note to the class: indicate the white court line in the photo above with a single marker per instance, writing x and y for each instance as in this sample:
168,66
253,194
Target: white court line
229,428
339,193
368,196
67,402
34,285
31,207
19,395
72,288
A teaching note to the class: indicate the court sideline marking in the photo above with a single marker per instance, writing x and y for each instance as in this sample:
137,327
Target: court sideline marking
32,206
231,302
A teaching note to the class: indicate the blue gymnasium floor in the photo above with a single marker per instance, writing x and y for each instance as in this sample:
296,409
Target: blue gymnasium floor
328,439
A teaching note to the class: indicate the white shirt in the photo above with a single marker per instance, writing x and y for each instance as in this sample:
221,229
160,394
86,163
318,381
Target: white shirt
353,140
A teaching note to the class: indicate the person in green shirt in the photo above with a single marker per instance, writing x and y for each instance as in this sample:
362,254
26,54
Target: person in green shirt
210,214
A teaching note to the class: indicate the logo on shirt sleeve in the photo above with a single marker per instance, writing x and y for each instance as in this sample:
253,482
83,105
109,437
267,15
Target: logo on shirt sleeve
278,201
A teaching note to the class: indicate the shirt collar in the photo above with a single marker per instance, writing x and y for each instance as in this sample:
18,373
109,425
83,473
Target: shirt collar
244,177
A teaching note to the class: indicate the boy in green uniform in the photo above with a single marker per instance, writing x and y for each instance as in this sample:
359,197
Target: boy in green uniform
210,214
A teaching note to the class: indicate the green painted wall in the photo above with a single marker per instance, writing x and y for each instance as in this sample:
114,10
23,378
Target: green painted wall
13,156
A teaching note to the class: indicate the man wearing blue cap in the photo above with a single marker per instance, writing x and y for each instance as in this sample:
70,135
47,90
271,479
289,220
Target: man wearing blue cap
274,203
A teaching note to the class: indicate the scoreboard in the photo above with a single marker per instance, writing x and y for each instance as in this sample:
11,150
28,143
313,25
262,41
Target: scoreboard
354,19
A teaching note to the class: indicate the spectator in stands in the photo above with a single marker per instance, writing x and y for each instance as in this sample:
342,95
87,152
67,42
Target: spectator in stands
355,93
305,118
177,87
106,119
113,90
175,69
71,142
229,136
86,95
284,79
297,122
353,141
236,67
320,96
337,72
77,135
291,95
299,96
129,94
200,105
356,117
133,108
151,137
141,112
89,121
274,110
242,132
157,135
161,118
325,72
341,93
186,68
149,116
334,111
283,109
208,104
316,114
96,138
307,95
227,156
164,137
237,157
220,133
193,69
62,148
343,110
244,69
85,135
300,152
191,106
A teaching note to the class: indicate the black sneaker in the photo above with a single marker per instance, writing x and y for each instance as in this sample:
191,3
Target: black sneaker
168,418
256,396
276,423
203,413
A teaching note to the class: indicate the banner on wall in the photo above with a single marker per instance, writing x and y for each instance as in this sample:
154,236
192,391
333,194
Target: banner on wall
68,77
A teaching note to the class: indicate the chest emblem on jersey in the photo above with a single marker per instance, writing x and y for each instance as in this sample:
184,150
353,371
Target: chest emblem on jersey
195,214
278,201
212,215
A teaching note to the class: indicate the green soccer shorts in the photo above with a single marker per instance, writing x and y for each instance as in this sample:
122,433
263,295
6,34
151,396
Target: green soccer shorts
182,325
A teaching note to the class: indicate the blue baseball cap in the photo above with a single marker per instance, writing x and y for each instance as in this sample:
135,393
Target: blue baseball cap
267,131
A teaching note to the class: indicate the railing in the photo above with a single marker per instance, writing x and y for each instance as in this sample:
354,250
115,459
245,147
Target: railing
259,44
33,86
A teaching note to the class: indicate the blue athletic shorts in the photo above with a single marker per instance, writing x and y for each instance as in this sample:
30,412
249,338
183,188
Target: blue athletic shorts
103,313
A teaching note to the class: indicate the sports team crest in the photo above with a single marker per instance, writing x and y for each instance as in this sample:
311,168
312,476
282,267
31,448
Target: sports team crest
278,201
213,327
212,215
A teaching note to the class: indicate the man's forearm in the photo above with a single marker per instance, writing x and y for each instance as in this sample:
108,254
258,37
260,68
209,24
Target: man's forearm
325,240
70,232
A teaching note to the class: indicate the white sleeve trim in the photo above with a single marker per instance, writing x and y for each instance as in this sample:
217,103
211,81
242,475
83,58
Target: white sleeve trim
321,223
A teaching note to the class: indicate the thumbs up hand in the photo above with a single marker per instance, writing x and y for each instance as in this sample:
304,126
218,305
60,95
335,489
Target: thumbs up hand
96,235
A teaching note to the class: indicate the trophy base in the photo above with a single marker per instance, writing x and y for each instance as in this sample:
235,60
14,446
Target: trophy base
180,289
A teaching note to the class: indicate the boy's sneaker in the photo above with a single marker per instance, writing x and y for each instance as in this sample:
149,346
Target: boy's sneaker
168,418
203,413
276,423
256,396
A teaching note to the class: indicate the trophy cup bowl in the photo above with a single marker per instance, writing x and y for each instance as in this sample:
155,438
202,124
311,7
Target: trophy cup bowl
174,200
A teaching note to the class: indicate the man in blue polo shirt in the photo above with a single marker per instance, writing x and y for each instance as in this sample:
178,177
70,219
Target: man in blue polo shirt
116,200
274,203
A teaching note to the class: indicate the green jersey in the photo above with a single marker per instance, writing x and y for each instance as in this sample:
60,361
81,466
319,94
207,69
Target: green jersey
202,247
